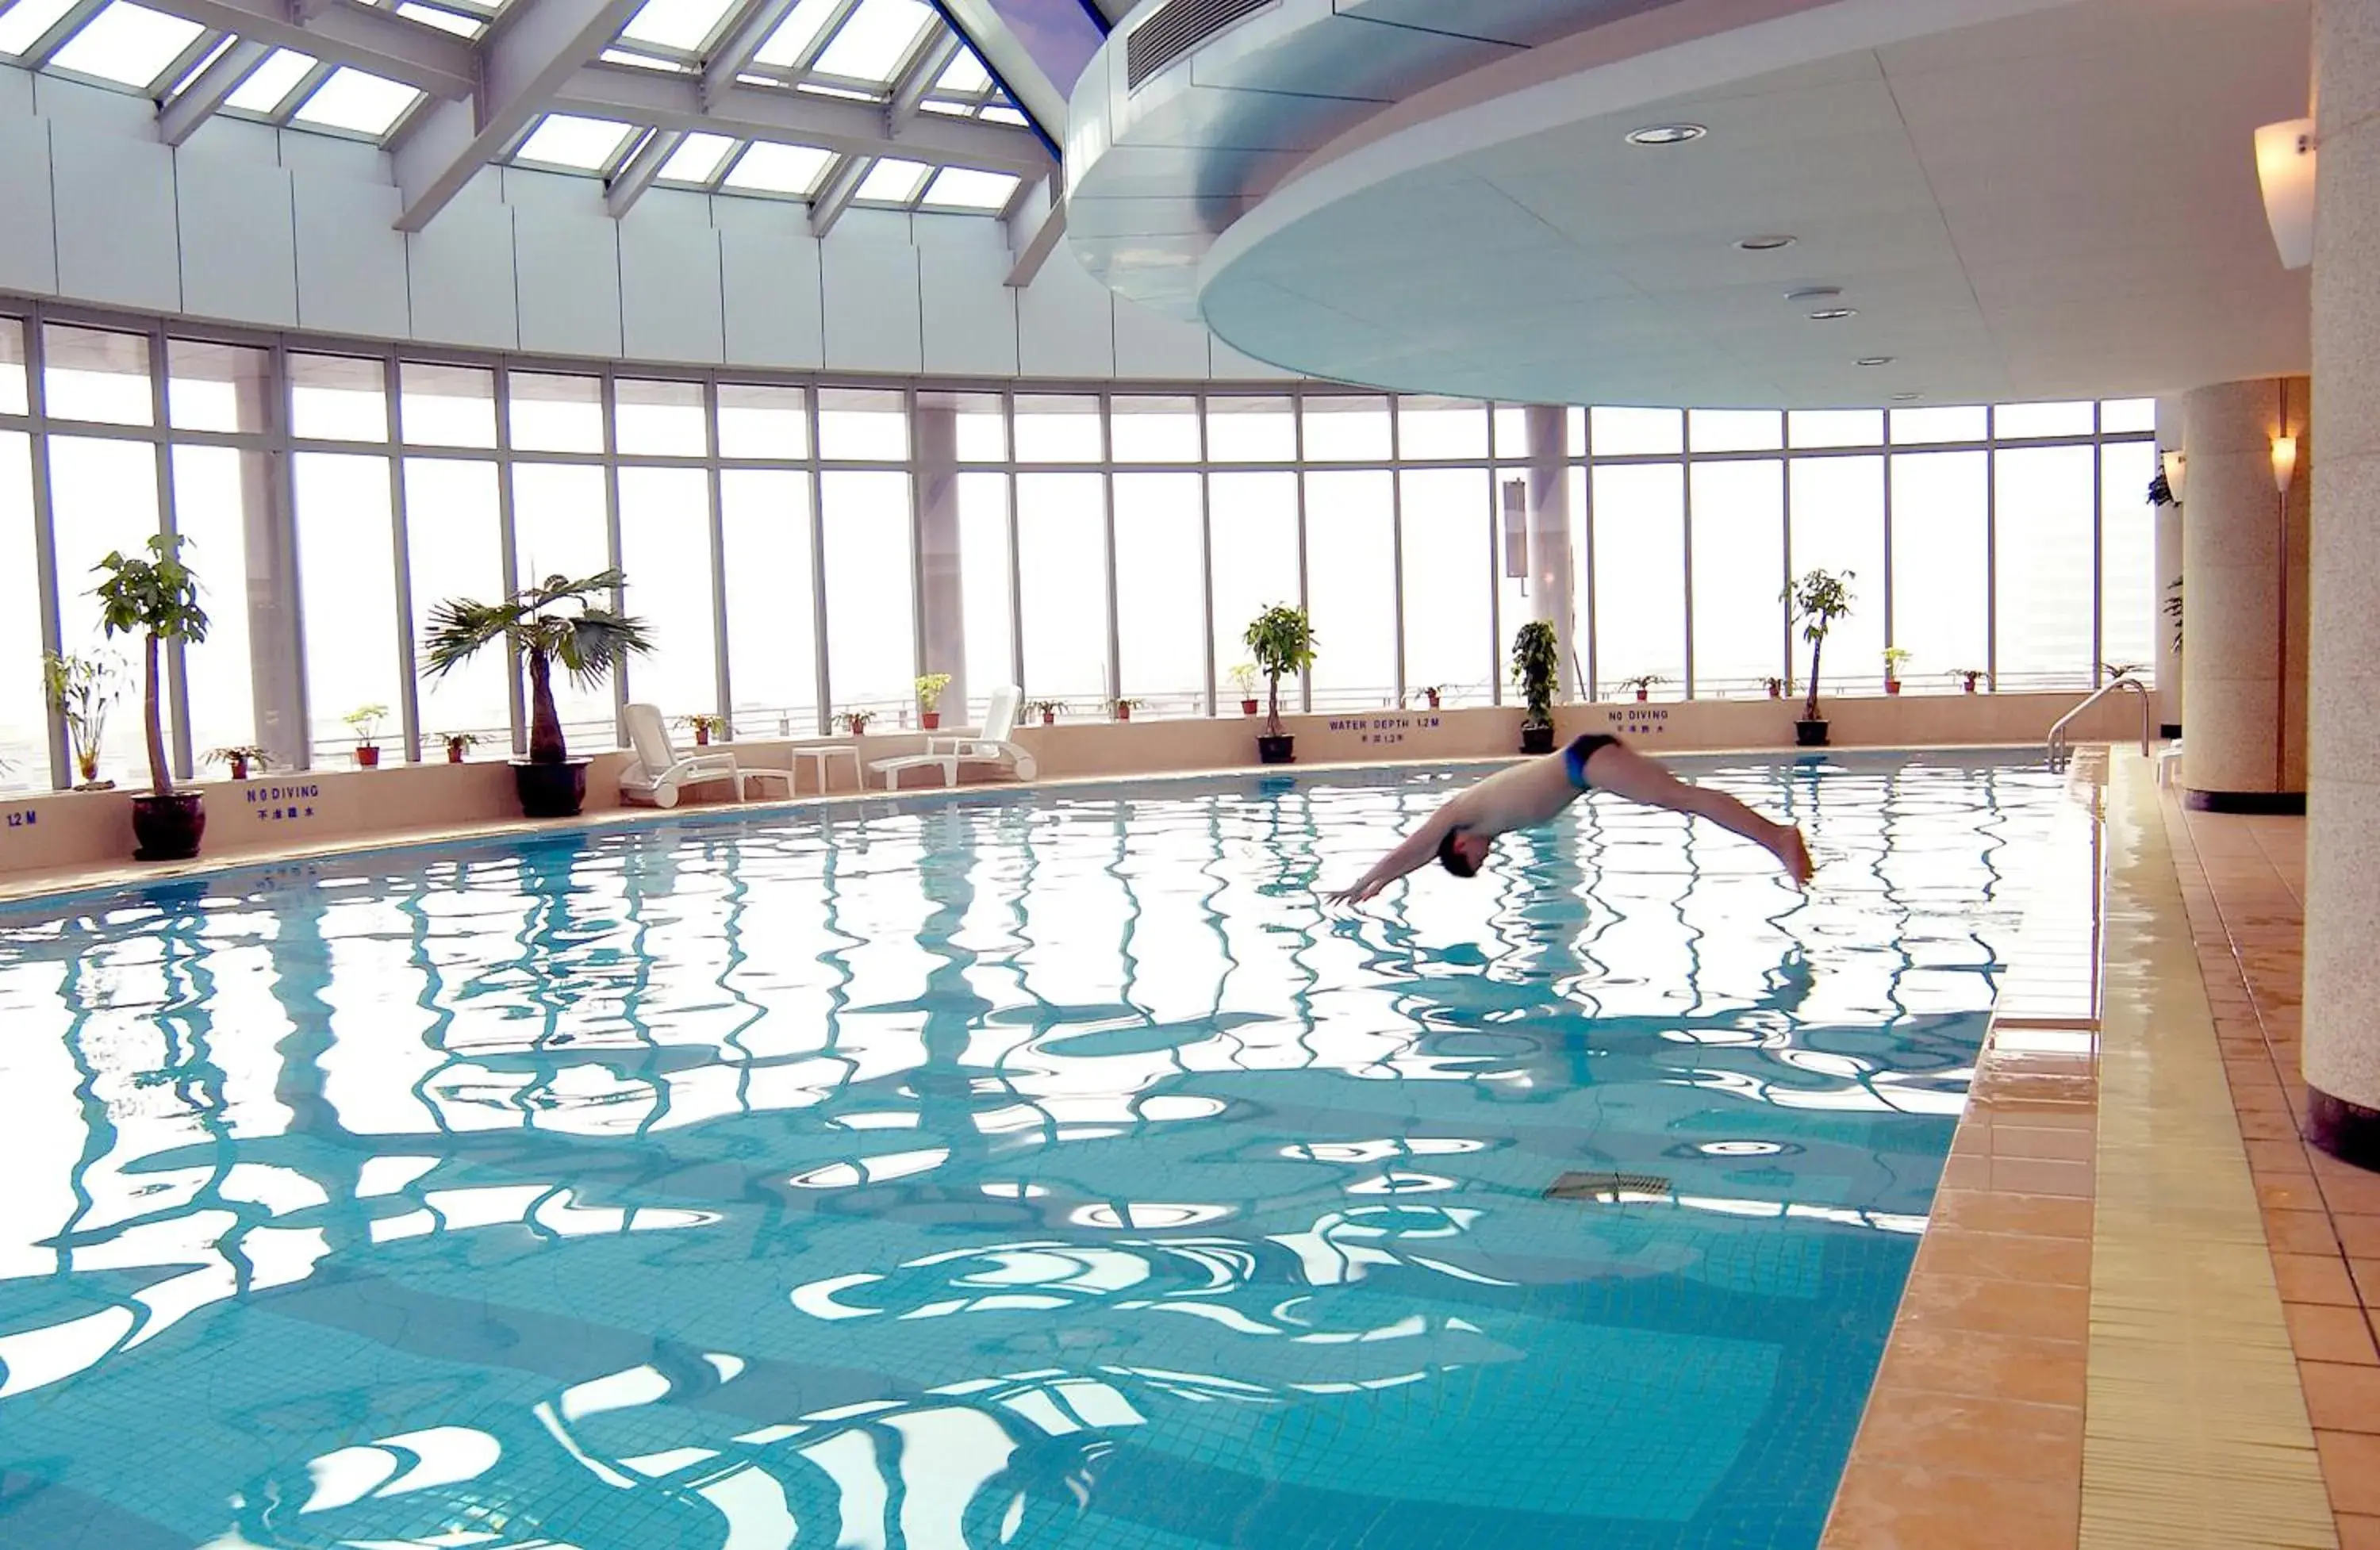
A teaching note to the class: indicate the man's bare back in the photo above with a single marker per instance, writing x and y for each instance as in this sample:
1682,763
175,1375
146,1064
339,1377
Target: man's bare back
1526,795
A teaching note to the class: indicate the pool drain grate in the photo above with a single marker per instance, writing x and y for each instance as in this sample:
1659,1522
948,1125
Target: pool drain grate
1607,1186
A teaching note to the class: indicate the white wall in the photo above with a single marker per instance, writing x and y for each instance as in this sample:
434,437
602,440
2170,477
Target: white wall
275,228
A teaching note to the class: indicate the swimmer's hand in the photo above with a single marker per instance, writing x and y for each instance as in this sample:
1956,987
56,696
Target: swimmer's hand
1792,853
1338,898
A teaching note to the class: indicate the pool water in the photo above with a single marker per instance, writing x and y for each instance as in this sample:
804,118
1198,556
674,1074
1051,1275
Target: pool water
1031,1169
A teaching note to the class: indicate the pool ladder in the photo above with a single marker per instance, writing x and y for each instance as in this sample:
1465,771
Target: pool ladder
2061,748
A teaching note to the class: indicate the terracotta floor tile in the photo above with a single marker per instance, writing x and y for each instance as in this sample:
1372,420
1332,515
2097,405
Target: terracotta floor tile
2366,1273
2038,1176
2054,1143
2300,1232
2274,1124
2009,1257
2329,1334
1936,1359
2010,1308
2341,1397
2314,1279
2261,1100
2351,1465
2289,1192
2000,1438
1892,1508
2277,1156
2039,1216
2358,1533
2359,1234
2351,1192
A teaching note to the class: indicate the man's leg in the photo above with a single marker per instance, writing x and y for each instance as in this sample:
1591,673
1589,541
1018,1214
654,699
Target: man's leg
1625,772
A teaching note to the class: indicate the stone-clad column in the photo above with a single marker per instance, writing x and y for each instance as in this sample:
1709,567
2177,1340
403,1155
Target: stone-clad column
1550,556
2244,592
2342,941
2171,433
941,596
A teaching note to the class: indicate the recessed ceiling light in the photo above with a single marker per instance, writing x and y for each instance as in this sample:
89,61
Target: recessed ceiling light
1666,134
1833,314
1814,293
1764,243
1906,397
1873,360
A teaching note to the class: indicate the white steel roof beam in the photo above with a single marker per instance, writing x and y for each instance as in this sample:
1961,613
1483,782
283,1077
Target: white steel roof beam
344,32
752,28
179,118
829,203
923,71
628,185
1040,220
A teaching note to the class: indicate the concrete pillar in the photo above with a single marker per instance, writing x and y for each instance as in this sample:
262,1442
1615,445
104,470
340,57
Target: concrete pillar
1549,562
942,601
2244,583
2172,434
2342,933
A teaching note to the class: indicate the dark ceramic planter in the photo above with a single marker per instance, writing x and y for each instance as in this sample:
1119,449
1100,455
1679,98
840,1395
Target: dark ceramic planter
1810,734
551,791
168,828
1536,740
1277,750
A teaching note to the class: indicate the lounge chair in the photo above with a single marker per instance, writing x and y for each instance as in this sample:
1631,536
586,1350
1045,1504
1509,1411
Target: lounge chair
658,771
989,743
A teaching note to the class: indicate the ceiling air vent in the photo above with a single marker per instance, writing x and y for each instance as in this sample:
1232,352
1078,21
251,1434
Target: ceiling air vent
1177,29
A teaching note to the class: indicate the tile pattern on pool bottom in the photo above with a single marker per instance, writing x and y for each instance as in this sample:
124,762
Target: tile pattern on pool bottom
1046,1170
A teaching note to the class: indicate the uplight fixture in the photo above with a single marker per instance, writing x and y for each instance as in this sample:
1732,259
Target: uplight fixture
1907,397
2285,465
1873,360
2175,464
1667,134
2284,155
1814,293
1833,314
1764,244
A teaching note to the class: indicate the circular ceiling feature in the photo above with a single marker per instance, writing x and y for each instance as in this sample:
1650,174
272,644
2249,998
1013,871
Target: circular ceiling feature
1666,134
1873,360
1833,314
1768,243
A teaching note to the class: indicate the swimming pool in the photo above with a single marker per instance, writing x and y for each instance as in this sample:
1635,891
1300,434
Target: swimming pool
1040,1170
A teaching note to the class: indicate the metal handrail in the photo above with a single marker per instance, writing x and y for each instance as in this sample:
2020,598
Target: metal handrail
2059,747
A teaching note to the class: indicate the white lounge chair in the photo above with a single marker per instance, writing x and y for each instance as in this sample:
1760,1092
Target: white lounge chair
658,771
988,743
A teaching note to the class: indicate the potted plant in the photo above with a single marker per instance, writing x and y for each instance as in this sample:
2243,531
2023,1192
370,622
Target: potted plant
1816,601
1281,641
365,719
1776,687
1968,678
549,622
1894,656
856,722
1431,693
1244,681
1124,707
2123,669
458,743
705,727
930,699
83,689
1642,683
240,760
1536,659
157,598
1048,710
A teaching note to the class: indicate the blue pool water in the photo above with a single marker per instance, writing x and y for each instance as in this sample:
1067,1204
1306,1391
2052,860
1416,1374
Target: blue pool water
1043,1170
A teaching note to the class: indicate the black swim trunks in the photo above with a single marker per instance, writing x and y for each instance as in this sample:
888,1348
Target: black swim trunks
1582,748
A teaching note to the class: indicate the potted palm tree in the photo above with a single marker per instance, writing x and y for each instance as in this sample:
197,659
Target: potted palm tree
931,687
1048,710
459,745
856,722
1776,687
1894,657
1814,602
1244,683
1642,683
83,689
553,622
705,727
242,759
157,598
1968,678
1281,641
1536,658
1124,707
364,722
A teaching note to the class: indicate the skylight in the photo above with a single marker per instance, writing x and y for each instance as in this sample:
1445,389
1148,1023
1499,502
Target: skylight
879,34
680,24
778,169
127,43
796,33
644,61
442,19
892,182
269,85
1003,115
965,188
697,159
561,139
355,101
966,76
192,71
24,23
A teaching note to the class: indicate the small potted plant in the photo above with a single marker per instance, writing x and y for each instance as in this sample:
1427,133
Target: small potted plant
1968,678
1776,687
458,743
158,598
1432,694
856,722
1536,659
2124,670
1048,710
552,621
365,721
1816,601
705,727
1243,682
240,760
1124,707
930,698
83,689
1281,641
1894,656
1642,683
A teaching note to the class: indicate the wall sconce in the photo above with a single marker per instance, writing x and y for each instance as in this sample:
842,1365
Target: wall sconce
2285,464
2285,166
2176,464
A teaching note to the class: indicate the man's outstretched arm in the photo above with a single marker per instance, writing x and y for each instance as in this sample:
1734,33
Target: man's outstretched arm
1414,850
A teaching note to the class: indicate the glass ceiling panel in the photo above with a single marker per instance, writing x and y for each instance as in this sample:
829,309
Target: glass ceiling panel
191,72
779,169
965,188
22,24
879,34
445,20
562,140
355,101
892,182
796,33
682,24
697,159
1003,115
270,83
645,61
966,74
127,43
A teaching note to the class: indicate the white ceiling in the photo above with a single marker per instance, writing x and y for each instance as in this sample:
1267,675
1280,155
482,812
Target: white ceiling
2059,203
